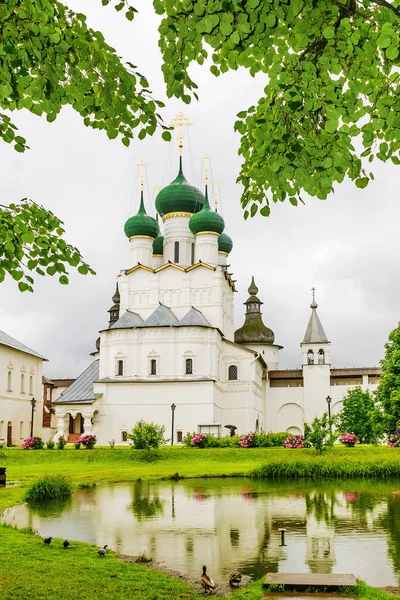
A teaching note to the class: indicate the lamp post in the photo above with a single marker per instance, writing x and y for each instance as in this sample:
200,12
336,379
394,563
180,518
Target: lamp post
328,401
173,407
33,402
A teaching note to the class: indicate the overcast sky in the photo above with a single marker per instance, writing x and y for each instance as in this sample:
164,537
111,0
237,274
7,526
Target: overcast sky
347,246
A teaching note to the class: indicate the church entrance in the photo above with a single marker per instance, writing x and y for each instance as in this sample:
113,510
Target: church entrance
76,424
9,434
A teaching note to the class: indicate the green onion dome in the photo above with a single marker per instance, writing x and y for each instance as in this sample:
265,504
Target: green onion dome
141,224
225,243
179,196
158,245
206,220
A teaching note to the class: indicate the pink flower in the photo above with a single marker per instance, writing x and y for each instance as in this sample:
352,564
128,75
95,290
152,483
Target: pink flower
348,438
294,441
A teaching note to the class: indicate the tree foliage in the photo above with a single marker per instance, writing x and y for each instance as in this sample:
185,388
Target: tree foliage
331,99
319,433
356,416
31,242
388,392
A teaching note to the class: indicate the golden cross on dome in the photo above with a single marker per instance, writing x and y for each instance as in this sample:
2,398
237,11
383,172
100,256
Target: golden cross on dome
216,193
142,166
313,293
179,123
156,189
206,158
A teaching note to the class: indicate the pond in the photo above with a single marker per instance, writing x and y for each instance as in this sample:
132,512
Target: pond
229,524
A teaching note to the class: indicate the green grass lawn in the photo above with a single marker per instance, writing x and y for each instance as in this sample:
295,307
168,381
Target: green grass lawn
30,570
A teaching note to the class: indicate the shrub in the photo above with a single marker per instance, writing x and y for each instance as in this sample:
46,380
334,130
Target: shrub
199,440
147,436
111,443
247,440
348,438
319,432
33,443
77,445
88,440
50,445
49,487
294,441
61,443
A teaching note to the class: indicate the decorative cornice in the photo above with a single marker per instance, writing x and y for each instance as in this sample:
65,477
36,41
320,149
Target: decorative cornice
146,237
206,233
224,253
169,265
200,264
139,266
176,214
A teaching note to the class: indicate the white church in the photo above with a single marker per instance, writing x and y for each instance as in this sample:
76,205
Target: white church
171,353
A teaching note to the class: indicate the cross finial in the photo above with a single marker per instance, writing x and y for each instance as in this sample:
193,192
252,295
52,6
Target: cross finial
206,158
156,189
216,193
179,123
313,303
142,166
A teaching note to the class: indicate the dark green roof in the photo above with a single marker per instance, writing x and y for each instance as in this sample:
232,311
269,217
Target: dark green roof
206,219
179,196
141,224
158,245
225,243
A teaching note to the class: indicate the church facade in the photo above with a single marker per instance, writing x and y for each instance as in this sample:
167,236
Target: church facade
171,353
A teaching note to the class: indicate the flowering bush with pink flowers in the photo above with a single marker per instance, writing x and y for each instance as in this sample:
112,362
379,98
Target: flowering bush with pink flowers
199,440
247,440
33,443
294,441
392,439
88,440
348,438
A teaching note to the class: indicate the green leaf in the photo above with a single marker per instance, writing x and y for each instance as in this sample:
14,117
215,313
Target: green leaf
329,33
362,182
166,136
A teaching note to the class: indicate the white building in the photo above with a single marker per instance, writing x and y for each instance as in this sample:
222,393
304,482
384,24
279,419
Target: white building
171,341
20,381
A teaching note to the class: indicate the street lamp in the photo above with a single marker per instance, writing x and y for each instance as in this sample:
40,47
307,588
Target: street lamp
328,401
33,402
173,407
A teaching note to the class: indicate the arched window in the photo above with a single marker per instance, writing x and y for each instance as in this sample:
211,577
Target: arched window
31,384
310,357
192,254
120,367
21,430
176,252
232,372
1,430
321,357
22,384
9,381
257,425
153,367
189,366
124,435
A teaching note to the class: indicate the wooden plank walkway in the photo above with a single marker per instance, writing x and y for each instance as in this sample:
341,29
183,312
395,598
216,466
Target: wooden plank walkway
301,581
306,596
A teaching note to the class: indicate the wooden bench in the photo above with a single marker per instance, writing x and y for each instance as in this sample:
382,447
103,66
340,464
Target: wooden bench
303,581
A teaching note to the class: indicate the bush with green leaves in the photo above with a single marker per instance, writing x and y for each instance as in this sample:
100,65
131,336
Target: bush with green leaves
387,413
49,487
147,436
357,415
50,445
61,442
259,440
319,433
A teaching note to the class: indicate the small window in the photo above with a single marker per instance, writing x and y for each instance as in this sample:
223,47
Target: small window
124,436
153,367
233,372
321,357
22,384
179,437
310,357
31,384
212,429
120,367
193,246
176,252
189,366
21,430
9,381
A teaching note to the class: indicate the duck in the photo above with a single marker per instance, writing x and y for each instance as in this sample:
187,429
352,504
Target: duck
235,578
66,544
103,550
47,541
206,581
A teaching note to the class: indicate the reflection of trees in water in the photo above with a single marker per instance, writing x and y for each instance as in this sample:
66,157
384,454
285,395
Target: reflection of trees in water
321,505
50,508
146,504
390,522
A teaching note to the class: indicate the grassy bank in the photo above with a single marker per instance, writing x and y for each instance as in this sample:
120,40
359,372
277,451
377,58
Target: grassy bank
29,569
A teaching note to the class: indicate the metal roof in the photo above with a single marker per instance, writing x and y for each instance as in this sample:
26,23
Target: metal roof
161,317
129,320
7,340
315,333
81,391
194,318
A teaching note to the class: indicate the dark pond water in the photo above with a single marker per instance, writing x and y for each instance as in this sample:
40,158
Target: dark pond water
345,527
